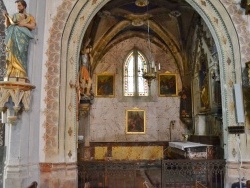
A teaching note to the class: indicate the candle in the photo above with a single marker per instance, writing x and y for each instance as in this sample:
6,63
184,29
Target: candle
159,66
153,64
145,67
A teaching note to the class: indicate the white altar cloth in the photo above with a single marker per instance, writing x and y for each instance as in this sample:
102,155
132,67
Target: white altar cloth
183,145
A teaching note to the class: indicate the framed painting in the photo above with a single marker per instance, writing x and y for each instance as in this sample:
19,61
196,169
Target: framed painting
135,121
105,85
167,85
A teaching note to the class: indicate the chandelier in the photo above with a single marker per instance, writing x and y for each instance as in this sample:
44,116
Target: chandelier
149,71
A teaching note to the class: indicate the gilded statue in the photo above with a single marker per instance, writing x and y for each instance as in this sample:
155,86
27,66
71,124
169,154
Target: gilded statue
85,80
18,34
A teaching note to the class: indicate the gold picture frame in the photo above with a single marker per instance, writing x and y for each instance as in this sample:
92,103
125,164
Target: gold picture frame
135,121
167,85
105,85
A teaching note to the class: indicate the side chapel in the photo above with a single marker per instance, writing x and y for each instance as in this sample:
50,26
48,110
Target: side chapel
118,92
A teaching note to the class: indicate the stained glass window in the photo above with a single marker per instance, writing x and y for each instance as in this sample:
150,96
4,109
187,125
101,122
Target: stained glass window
134,83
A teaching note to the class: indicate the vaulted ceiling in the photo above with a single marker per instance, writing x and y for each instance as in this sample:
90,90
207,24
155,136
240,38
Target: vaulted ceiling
168,24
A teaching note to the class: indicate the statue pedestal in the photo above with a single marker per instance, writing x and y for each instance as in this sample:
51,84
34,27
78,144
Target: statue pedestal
16,91
16,79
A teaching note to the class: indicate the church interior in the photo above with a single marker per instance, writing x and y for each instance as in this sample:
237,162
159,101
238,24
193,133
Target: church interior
138,93
183,100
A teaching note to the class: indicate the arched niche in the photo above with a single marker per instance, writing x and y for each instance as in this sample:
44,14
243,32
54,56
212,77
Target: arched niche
67,32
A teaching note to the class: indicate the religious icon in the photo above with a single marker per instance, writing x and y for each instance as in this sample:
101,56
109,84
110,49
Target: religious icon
135,121
105,85
167,85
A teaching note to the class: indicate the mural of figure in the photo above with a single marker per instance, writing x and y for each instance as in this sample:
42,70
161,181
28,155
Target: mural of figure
18,35
84,76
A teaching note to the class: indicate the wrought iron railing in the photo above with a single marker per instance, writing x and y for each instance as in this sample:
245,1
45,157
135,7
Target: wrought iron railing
186,173
164,174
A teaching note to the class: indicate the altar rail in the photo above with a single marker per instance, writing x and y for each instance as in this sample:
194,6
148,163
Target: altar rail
148,174
185,173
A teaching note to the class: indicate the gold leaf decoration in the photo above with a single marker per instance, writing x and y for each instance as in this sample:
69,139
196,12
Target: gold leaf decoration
70,154
203,3
229,61
216,20
70,131
224,39
94,2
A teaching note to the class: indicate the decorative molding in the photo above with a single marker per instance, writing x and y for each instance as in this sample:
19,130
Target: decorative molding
52,87
84,109
70,154
70,131
19,93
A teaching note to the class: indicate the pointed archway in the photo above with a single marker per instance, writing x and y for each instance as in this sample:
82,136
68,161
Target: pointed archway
66,35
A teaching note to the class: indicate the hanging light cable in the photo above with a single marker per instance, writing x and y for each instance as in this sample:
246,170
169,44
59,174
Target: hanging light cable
149,73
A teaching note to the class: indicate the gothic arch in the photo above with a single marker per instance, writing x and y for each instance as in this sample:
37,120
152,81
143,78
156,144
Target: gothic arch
66,34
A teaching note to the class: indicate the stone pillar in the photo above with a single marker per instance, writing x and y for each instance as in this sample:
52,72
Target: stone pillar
19,170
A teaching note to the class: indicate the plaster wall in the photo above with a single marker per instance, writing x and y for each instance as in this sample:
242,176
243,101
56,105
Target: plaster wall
107,115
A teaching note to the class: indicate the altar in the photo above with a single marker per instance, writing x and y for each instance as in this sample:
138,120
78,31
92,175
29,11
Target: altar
189,150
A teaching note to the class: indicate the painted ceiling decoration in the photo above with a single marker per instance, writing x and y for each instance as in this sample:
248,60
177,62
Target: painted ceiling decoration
141,3
169,22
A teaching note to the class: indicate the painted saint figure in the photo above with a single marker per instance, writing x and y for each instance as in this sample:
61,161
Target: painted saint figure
85,79
204,93
18,35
